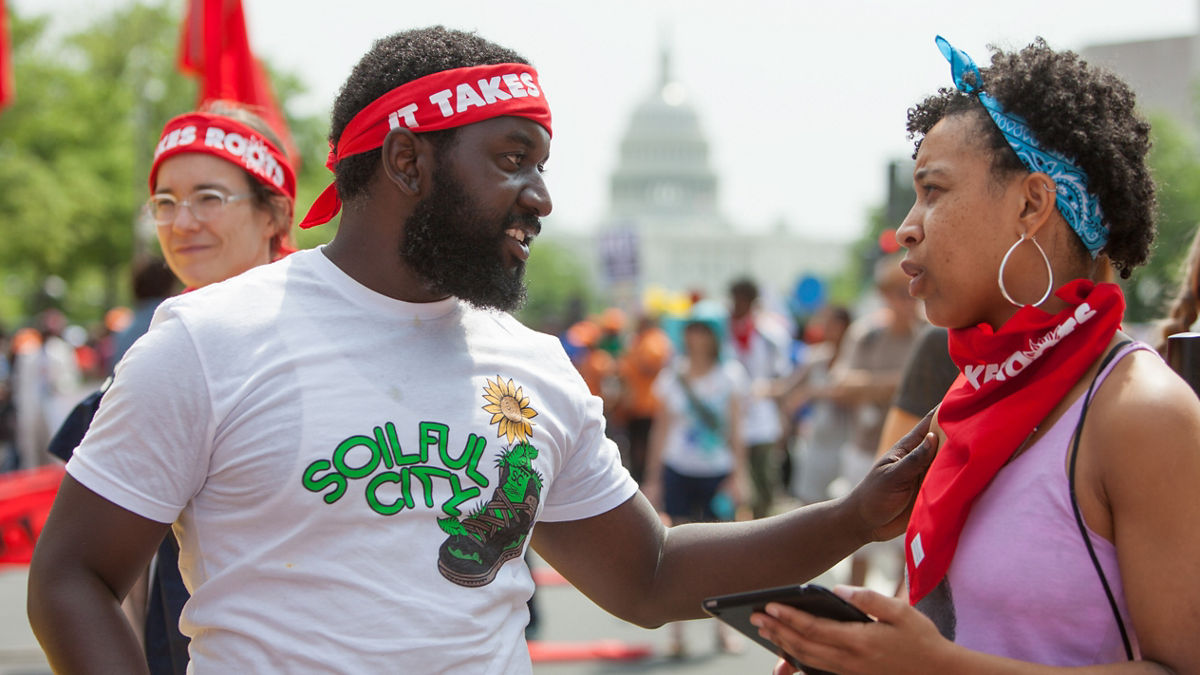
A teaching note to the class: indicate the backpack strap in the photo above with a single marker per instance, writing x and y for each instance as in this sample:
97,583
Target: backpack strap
707,416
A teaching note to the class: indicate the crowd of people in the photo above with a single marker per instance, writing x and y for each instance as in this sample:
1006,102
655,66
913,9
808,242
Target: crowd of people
301,424
49,364
42,375
793,420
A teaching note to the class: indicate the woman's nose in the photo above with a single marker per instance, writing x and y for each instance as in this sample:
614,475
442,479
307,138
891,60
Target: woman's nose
184,219
910,231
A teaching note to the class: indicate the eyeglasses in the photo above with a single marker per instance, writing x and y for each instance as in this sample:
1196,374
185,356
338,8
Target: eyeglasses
204,205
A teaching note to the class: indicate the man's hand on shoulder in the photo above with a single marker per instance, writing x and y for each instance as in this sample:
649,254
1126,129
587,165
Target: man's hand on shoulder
883,500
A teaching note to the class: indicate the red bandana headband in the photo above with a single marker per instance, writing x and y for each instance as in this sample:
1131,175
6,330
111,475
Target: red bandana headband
230,140
450,98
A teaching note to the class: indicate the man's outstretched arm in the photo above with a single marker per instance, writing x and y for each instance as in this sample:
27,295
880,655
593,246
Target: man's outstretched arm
627,562
89,554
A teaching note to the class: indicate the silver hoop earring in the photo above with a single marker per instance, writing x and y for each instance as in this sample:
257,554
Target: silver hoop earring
1049,272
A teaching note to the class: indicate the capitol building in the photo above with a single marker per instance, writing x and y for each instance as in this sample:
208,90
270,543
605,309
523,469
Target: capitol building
664,228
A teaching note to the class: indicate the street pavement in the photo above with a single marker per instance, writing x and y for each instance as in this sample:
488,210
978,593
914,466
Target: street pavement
19,651
566,617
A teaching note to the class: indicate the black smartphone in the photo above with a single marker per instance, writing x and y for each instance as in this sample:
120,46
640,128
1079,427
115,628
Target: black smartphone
735,610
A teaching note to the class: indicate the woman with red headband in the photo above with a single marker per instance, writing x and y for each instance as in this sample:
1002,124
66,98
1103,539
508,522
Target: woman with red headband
1057,525
222,196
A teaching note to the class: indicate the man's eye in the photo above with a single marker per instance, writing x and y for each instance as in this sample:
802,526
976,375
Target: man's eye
515,157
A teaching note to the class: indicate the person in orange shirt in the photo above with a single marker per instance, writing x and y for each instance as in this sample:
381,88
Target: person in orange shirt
595,365
649,350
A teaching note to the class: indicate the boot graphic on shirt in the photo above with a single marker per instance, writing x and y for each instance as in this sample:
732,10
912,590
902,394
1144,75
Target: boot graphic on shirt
489,537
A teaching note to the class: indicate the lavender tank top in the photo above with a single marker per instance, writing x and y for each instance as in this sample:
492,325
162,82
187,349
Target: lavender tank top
1022,584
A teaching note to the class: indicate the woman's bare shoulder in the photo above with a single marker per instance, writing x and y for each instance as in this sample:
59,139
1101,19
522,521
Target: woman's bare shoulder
1145,404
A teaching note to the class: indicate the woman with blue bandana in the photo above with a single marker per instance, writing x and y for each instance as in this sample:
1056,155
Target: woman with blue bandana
1057,525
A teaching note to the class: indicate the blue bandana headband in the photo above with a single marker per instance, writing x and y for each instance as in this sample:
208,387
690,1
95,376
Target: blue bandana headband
1080,208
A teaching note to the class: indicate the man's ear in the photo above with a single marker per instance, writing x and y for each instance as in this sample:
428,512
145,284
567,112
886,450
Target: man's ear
401,150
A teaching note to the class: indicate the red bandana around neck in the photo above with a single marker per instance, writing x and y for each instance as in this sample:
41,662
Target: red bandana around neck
1011,379
230,140
451,98
742,330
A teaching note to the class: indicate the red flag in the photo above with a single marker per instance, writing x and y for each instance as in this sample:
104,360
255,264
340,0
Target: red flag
216,48
8,87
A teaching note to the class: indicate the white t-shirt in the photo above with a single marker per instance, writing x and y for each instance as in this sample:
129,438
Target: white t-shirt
765,360
693,446
326,453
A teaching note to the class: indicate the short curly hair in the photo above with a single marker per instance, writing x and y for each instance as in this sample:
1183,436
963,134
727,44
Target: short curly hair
1081,111
393,61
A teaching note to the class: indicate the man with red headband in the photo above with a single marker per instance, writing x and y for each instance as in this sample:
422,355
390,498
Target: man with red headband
354,443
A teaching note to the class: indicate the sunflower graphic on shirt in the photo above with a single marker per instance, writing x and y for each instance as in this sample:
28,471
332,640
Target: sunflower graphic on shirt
510,408
480,543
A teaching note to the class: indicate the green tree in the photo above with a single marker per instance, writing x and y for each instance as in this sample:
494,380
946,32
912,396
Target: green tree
86,104
856,277
556,286
310,134
1175,164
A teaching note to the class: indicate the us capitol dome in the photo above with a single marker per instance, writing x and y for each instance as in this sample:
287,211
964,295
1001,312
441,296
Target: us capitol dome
664,227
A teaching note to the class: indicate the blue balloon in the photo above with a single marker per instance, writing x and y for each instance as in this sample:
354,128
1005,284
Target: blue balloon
809,294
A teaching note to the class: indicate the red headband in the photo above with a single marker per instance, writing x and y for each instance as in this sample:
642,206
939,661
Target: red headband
450,98
233,142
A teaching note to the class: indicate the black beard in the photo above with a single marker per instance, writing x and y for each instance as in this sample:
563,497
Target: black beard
451,244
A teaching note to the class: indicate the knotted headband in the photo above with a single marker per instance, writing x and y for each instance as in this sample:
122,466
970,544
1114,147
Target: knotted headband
450,98
1080,208
230,140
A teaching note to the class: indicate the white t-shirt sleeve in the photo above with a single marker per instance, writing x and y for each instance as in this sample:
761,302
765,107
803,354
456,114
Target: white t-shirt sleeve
592,480
666,387
148,447
740,382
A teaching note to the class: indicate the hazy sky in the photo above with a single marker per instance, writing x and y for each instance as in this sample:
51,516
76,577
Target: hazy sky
803,102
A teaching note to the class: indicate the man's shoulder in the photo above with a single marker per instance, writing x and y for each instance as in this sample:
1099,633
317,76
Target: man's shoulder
733,371
249,302
264,284
773,328
865,330
505,332
507,323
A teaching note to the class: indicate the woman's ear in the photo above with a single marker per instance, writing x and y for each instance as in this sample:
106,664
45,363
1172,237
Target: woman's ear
282,214
401,149
1039,201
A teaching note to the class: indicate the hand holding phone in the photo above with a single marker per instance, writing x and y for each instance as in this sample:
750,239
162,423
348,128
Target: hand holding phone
735,610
